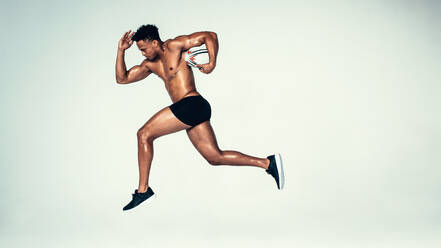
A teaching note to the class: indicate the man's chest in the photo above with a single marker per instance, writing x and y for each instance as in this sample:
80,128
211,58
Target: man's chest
169,66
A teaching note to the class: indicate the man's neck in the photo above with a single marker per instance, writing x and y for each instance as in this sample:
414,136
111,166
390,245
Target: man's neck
161,49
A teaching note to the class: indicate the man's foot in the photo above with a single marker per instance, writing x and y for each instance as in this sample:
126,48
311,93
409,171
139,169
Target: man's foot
137,198
275,169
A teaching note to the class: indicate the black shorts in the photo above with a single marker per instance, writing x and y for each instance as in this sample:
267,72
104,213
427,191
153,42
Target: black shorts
192,110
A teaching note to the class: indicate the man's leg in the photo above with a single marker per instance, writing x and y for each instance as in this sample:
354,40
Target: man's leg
203,138
162,123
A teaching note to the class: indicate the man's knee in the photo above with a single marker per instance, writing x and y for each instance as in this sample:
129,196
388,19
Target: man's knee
215,159
145,135
214,162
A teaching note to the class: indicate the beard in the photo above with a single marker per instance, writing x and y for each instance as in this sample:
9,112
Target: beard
152,59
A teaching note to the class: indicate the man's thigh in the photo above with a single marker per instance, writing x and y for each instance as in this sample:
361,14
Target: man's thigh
162,123
203,138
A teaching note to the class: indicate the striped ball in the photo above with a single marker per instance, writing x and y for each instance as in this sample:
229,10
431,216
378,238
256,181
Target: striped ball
197,56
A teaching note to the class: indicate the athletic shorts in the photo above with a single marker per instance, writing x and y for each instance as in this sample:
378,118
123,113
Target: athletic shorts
192,110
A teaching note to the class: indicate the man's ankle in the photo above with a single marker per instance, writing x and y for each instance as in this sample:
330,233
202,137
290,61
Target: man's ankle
267,163
142,189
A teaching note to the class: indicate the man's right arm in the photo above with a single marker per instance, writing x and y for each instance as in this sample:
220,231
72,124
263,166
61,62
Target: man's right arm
136,73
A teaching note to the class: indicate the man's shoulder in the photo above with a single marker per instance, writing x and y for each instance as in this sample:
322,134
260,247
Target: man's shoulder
147,64
177,42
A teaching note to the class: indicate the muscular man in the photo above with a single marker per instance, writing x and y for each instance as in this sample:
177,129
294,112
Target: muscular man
189,111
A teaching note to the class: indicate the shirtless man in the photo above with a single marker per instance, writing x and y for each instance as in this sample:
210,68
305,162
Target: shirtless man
189,111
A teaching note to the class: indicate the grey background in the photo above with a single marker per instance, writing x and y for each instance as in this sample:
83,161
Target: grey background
347,91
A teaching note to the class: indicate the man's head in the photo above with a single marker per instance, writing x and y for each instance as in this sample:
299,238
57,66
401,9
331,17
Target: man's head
148,41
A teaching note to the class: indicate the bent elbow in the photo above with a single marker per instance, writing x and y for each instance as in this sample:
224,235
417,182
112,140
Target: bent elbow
121,81
213,35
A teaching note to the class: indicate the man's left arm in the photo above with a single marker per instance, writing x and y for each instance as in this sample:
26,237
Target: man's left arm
185,42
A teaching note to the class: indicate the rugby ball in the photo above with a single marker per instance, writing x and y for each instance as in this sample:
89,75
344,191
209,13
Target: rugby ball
197,55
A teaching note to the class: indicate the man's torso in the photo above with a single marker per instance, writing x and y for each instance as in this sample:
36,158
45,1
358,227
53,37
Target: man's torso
174,71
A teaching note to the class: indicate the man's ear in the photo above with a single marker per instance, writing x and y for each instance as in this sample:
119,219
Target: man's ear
155,43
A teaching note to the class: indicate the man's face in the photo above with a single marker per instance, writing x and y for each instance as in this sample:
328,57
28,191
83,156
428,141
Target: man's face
147,48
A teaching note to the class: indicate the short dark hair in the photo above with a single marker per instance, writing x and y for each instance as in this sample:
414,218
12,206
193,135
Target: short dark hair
146,32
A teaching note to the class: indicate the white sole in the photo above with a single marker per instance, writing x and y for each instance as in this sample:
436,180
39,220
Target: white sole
279,165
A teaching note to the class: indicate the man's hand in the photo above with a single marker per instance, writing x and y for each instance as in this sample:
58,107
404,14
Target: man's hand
206,68
126,41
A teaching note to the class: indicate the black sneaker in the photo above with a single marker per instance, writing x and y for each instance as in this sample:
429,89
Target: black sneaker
137,198
275,169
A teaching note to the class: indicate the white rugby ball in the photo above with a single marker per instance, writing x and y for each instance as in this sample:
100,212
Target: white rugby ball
197,55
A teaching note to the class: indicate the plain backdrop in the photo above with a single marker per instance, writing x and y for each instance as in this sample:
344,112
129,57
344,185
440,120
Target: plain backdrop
347,91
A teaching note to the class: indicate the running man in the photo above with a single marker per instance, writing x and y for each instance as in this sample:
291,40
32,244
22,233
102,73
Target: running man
189,111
